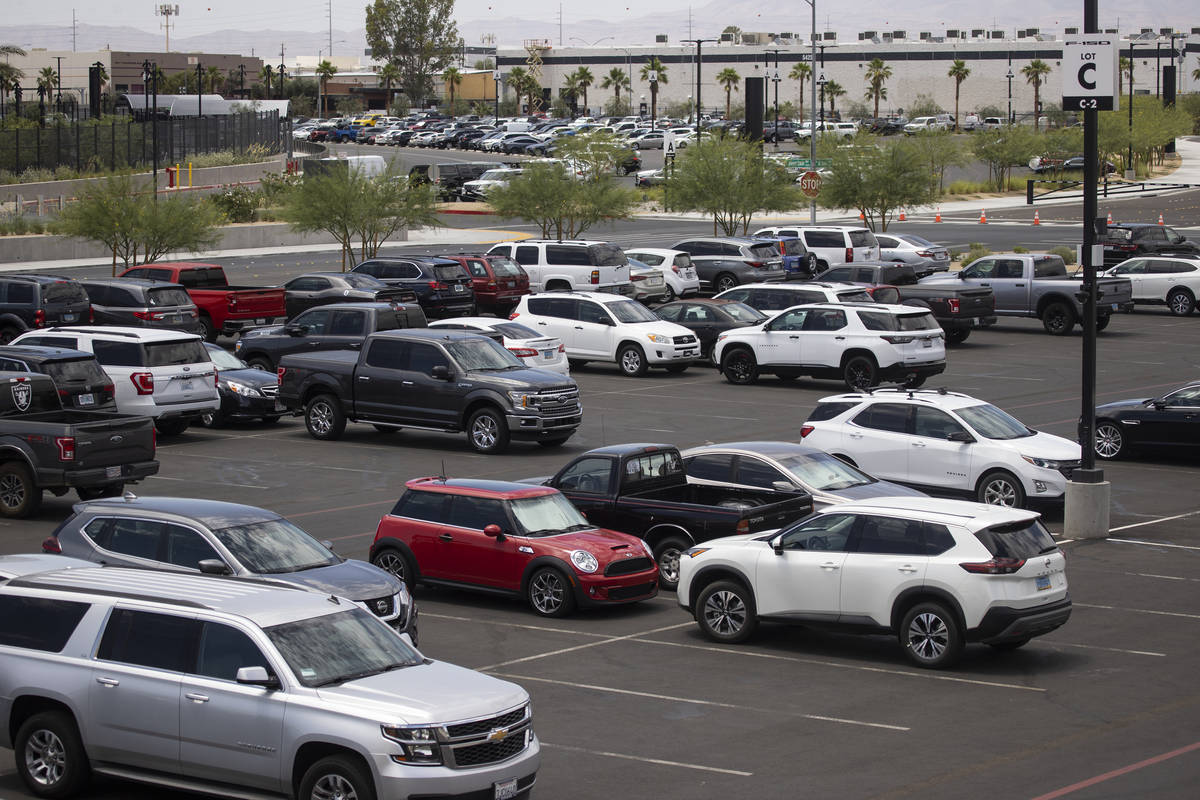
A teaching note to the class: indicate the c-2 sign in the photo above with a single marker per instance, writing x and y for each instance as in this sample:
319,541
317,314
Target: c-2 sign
1089,75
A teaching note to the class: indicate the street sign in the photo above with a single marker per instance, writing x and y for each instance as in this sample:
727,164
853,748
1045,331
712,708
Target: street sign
669,143
1089,75
799,163
810,184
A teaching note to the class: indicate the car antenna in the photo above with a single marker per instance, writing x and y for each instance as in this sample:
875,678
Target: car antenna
442,475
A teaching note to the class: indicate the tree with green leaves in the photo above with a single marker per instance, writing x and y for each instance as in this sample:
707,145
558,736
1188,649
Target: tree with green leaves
564,207
584,79
877,181
215,78
728,178
877,75
801,72
654,67
521,81
728,79
1035,73
10,76
389,76
324,71
833,90
570,92
47,80
453,79
959,72
939,150
266,75
1004,148
1125,70
418,36
616,79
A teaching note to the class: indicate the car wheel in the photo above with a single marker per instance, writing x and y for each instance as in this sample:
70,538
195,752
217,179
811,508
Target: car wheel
208,330
1000,488
1181,302
558,441
324,418
1110,440
575,363
172,427
1058,319
212,419
915,381
339,777
50,756
487,431
725,612
860,373
8,334
632,360
739,366
667,553
1102,321
97,492
668,295
394,561
20,496
957,335
931,636
261,362
725,282
549,593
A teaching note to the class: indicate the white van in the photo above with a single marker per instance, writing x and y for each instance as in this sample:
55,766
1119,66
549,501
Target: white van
570,265
516,127
369,166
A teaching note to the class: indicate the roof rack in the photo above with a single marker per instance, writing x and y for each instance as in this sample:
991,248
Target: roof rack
69,329
912,390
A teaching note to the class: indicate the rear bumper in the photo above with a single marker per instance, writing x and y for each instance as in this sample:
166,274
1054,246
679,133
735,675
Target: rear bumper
950,323
97,476
897,371
1005,624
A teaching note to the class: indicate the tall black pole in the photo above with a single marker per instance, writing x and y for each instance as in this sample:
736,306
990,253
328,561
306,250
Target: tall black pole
1129,173
1091,168
199,88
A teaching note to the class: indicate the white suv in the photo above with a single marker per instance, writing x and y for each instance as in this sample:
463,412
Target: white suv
602,327
831,244
167,375
768,297
861,343
943,441
569,265
934,573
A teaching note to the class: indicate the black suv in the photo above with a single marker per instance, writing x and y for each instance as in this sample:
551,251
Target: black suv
142,303
449,178
80,380
35,301
1129,239
442,286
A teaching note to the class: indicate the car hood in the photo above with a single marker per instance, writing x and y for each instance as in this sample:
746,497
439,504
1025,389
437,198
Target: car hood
1123,405
1047,445
529,379
252,377
598,541
352,579
431,693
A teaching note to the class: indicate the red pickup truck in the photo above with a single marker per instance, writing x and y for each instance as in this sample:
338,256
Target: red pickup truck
224,309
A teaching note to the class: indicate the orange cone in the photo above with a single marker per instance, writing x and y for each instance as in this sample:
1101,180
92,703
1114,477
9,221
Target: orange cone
902,217
1110,218
860,214
1036,219
1160,220
982,216
938,216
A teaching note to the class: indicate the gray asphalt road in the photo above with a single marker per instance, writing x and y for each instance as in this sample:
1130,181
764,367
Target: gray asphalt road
632,702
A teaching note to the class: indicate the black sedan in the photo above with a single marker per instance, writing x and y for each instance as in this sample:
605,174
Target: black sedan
1172,420
517,144
709,318
247,393
322,288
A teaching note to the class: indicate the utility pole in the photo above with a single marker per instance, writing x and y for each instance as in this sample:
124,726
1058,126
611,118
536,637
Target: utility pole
150,80
281,71
329,7
699,62
58,80
166,11
812,109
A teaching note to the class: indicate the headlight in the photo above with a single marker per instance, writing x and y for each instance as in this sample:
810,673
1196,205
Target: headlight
646,547
658,338
419,745
1045,463
584,561
243,389
692,552
237,346
519,399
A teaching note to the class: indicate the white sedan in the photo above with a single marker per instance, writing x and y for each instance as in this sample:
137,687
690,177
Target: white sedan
676,266
536,350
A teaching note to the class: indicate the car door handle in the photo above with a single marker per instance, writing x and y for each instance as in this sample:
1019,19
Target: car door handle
831,565
543,324
906,568
445,537
578,327
406,383
108,681
364,378
855,435
793,337
196,698
918,444
984,284
839,338
1019,285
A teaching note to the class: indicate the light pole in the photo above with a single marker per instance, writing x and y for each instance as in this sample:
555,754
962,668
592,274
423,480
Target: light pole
199,87
628,76
690,109
653,97
699,62
812,109
496,78
1010,76
150,80
775,80
1130,173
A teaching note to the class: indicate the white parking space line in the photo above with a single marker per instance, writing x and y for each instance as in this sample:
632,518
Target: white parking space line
1163,577
560,651
1153,522
215,483
1140,611
820,662
1154,544
645,760
545,628
693,701
1108,649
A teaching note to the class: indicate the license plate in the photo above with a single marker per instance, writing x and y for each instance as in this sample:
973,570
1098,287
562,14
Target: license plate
505,790
186,386
1115,306
458,287
927,343
112,472
547,354
86,400
70,317
1042,582
260,320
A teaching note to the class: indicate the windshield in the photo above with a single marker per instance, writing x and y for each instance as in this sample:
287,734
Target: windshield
340,647
84,370
358,280
481,354
743,313
168,297
764,252
883,321
823,471
860,296
862,239
274,546
223,359
1018,540
547,515
992,423
497,174
631,311
449,272
168,354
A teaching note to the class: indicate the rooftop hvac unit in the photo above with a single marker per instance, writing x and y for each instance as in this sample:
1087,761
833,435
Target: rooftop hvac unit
1032,31
660,38
996,35
1071,31
952,33
977,33
899,35
726,37
1165,31
830,36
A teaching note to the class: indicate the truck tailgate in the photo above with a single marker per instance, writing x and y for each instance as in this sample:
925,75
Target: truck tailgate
1113,291
243,303
976,302
103,439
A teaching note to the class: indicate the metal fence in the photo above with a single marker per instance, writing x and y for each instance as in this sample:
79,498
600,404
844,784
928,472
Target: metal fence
117,142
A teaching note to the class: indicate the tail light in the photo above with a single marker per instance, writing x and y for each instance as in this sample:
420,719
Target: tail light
66,447
233,300
143,382
754,263
637,277
216,378
91,316
523,352
39,318
953,304
925,253
849,254
595,279
63,394
109,389
805,430
743,526
279,373
898,339
149,315
514,315
437,285
676,270
51,545
562,348
996,566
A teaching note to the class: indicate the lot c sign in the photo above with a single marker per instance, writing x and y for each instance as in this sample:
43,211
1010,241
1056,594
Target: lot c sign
810,184
1089,73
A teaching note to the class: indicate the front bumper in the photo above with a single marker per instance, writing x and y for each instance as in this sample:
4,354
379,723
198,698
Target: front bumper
1005,624
445,783
598,590
240,406
532,427
671,353
96,476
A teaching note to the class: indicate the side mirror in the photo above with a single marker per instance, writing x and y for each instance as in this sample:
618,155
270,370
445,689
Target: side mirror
328,545
493,532
257,676
295,330
960,436
1158,405
784,486
214,566
777,545
441,373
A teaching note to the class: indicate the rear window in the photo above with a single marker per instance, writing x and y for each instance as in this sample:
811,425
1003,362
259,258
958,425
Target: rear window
1022,540
1120,234
607,255
211,278
63,292
505,267
166,354
1049,267
743,313
793,247
80,370
683,260
41,397
117,354
514,330
859,296
168,297
448,272
862,239
765,252
825,411
882,321
360,281
37,623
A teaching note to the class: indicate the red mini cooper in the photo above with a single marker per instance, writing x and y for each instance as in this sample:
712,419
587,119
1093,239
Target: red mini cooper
512,538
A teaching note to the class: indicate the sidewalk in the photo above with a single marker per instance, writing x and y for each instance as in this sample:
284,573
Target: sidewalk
1188,148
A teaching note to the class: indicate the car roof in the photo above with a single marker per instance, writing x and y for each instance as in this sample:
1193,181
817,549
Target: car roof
119,332
958,512
426,260
502,490
213,514
802,285
730,239
145,283
35,278
658,251
444,334
19,564
940,397
365,305
42,354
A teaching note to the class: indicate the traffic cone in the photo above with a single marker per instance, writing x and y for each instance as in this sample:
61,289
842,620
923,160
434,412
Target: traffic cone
1036,219
1110,218
1160,220
902,218
982,216
938,216
860,214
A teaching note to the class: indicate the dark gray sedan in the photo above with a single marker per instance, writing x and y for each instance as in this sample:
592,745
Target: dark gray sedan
786,467
217,538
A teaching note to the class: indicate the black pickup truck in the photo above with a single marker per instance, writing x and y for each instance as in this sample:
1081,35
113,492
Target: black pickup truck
958,309
642,489
43,446
431,379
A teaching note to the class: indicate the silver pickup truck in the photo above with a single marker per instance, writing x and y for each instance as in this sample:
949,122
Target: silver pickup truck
1038,285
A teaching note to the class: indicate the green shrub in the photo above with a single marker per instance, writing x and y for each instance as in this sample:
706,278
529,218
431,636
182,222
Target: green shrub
237,203
975,250
276,186
1066,253
1020,249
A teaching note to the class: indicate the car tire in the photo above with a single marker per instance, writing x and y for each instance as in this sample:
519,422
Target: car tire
172,427
261,362
336,776
20,496
1110,440
724,282
487,431
667,554
50,755
860,373
208,330
212,419
1058,319
558,286
8,334
97,492
1102,321
931,636
726,613
558,441
739,366
397,563
669,295
576,363
957,336
324,418
1181,302
549,593
632,360
1000,488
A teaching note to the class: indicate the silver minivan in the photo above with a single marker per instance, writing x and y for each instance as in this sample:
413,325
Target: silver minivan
832,244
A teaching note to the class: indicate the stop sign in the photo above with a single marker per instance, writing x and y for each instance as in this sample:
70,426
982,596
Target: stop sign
810,183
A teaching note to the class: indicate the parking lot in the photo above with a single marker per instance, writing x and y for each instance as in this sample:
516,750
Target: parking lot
634,702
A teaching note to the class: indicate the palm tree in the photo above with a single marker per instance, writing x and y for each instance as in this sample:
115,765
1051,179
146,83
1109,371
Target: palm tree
570,90
801,72
833,90
266,75
584,78
728,78
1035,73
453,79
389,76
524,84
650,67
324,71
1196,74
877,75
10,76
215,78
616,79
47,79
959,71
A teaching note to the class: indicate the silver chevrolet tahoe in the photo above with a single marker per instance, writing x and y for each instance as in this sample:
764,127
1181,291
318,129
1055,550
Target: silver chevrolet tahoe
242,687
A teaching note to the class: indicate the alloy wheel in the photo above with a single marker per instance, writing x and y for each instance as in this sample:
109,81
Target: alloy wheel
484,432
333,787
1000,492
45,758
392,562
631,361
928,636
724,613
547,592
668,565
321,417
1109,441
12,491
